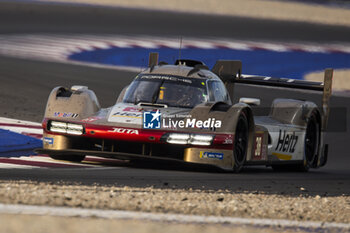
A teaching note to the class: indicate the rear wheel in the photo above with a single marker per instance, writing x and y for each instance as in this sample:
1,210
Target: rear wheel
311,143
240,143
311,147
71,158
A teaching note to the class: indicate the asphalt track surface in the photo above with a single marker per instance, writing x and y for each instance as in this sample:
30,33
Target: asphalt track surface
26,84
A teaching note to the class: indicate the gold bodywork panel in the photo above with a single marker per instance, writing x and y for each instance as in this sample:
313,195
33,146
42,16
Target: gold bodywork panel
56,142
80,105
220,158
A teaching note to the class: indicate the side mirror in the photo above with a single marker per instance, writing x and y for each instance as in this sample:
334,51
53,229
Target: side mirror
250,101
78,87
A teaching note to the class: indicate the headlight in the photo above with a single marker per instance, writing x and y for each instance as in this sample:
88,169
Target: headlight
58,127
58,124
176,138
192,139
68,128
201,140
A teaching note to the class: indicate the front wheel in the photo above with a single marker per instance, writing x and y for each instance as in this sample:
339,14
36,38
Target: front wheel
240,143
70,158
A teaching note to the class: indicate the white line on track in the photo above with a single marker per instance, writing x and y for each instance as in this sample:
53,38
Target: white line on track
40,161
15,121
23,129
47,159
58,47
35,161
120,214
19,126
17,166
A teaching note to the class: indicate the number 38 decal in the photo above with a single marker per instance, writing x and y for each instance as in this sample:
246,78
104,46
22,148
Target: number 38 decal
258,146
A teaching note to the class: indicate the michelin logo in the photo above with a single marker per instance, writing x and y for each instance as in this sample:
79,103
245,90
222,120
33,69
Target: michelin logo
151,120
211,155
48,140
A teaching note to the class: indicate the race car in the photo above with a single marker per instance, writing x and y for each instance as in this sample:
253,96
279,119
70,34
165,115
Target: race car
184,113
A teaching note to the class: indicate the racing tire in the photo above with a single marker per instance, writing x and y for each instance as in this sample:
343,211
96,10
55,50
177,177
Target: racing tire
70,158
311,143
311,147
240,143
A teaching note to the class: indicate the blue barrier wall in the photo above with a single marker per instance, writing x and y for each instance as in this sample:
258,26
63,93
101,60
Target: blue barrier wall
291,64
14,144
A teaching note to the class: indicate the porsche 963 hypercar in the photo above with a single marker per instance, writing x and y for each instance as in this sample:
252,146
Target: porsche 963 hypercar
183,112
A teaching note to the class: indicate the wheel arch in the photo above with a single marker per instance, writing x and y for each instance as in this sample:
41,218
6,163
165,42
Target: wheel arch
75,103
250,117
315,111
235,111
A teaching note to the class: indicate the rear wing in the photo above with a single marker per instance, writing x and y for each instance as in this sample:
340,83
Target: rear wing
229,72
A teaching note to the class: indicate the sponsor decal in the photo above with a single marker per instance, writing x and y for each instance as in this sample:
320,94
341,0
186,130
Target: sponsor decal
66,114
282,156
228,141
164,77
258,146
211,155
152,120
127,114
123,130
91,119
132,109
286,141
48,140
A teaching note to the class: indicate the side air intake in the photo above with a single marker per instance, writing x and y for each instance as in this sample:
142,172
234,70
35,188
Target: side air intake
188,62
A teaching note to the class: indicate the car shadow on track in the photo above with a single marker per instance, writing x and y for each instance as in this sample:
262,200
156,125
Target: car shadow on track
187,176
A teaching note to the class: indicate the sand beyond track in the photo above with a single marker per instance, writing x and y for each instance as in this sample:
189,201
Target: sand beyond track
266,9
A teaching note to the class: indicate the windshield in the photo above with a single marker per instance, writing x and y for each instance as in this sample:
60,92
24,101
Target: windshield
173,91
